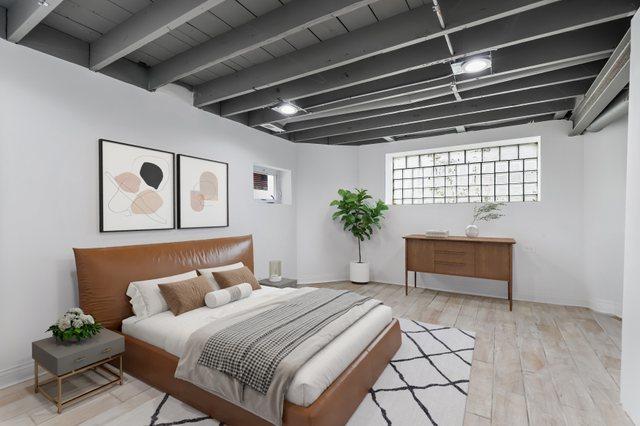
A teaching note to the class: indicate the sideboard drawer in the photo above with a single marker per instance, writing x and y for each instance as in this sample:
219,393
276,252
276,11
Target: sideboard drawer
454,252
454,268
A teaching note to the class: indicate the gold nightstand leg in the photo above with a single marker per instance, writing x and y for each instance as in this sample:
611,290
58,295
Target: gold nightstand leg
59,402
120,369
35,377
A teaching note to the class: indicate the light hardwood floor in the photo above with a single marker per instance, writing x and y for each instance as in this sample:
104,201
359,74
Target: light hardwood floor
540,365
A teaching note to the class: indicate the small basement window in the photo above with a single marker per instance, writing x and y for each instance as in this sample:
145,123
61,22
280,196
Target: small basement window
271,185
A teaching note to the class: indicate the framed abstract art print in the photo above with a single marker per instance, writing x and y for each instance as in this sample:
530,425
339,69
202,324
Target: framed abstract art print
203,193
136,188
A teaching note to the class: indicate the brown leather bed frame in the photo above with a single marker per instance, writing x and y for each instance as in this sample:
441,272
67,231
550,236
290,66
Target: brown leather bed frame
103,277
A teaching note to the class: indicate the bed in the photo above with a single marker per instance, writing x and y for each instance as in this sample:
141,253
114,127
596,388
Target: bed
325,391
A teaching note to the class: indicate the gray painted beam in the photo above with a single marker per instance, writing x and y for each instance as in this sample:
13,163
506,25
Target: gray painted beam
24,15
336,125
452,122
471,128
272,26
530,25
143,27
612,79
3,23
56,43
434,77
405,29
535,57
480,103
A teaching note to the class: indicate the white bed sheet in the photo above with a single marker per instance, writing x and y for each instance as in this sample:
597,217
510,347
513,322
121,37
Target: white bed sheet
171,333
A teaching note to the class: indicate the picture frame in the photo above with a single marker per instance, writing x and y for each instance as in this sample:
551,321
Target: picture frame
136,187
202,192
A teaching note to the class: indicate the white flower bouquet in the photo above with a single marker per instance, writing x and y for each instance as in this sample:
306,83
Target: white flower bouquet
75,324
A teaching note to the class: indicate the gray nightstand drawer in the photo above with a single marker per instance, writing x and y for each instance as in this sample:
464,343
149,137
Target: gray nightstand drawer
60,358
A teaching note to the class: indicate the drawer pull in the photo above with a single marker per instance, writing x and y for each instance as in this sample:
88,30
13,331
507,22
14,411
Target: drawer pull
80,359
106,350
450,252
450,263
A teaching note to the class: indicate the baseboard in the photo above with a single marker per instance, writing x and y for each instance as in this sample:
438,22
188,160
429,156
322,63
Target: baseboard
599,305
319,280
16,374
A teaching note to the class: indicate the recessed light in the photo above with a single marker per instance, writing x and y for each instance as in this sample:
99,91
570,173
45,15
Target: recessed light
43,3
475,65
472,65
286,108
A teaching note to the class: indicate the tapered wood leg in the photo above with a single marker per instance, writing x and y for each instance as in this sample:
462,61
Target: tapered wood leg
510,291
415,279
406,282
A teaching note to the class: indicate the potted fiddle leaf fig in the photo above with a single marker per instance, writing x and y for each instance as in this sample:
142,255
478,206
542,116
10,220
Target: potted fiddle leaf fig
359,215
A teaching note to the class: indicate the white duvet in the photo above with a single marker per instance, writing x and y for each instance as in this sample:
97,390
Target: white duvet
171,333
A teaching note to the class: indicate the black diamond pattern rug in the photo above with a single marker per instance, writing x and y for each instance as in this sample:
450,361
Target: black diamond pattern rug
426,383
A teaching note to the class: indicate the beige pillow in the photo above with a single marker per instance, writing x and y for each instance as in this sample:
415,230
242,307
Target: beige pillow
236,276
187,295
207,272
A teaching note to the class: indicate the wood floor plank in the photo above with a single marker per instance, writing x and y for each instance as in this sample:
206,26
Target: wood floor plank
471,419
509,409
611,325
479,399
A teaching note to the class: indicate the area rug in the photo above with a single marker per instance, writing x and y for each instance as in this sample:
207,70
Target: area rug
426,383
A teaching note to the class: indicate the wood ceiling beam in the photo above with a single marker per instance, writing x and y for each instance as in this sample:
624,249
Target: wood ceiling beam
533,24
143,27
24,15
60,45
270,27
405,29
495,115
367,119
481,102
532,58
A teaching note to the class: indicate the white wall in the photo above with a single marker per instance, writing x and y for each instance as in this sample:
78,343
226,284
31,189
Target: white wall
324,249
554,237
604,190
51,116
630,374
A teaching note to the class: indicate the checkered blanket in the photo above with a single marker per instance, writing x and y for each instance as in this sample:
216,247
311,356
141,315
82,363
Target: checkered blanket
251,350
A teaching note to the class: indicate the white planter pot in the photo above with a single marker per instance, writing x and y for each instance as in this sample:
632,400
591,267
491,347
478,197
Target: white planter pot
472,231
359,272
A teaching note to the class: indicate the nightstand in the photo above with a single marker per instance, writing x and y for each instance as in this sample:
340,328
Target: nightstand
283,283
64,360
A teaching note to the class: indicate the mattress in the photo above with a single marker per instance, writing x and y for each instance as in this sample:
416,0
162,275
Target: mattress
171,333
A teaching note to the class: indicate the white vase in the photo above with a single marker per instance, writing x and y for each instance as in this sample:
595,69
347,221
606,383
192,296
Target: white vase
359,272
472,231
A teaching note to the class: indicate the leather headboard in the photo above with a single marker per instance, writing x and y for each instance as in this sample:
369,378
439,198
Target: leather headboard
105,273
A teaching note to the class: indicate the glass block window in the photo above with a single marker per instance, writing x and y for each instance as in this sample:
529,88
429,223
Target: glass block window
498,172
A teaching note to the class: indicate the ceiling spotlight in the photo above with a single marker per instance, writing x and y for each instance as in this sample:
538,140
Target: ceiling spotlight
273,127
286,108
472,65
43,3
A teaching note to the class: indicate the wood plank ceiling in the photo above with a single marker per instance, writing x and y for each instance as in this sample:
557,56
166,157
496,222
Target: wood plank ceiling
359,71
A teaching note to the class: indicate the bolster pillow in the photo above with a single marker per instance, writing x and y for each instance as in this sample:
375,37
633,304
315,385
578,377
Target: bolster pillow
217,298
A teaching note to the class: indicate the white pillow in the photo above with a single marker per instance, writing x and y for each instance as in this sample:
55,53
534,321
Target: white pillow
227,295
207,272
146,299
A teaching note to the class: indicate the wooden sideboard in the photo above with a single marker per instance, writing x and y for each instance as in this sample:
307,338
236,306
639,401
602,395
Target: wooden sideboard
478,257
